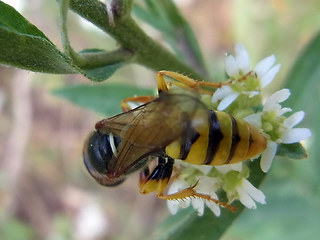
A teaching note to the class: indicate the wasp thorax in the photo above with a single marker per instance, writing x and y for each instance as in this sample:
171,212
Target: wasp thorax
98,151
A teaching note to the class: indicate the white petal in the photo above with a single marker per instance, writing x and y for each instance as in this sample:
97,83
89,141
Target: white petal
294,119
225,102
206,185
173,207
283,111
176,186
264,65
231,66
245,199
273,101
221,93
253,192
214,208
269,76
295,135
229,167
242,58
254,120
253,93
184,203
268,156
198,204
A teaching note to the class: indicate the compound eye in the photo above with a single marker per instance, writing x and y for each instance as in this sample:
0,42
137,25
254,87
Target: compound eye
97,153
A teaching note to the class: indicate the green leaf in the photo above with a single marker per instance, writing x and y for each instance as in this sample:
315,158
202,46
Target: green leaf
187,225
160,22
185,36
104,99
294,151
153,20
24,46
99,65
303,82
13,21
101,73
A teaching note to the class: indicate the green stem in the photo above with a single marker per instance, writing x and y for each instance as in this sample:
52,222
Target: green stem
64,6
90,60
130,36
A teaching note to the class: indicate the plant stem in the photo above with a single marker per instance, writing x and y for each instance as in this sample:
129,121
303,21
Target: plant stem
130,36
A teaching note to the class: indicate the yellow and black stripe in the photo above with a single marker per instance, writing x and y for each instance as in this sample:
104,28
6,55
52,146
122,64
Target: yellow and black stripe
222,139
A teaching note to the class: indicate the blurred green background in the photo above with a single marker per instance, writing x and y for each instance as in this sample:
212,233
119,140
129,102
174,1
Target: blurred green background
45,191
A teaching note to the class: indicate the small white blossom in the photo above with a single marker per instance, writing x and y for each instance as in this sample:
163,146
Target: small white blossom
237,67
238,187
285,131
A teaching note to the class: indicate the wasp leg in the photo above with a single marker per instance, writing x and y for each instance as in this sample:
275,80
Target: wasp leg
125,103
186,82
190,192
158,180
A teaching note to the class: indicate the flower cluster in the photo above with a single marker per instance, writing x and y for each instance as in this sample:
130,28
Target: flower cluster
243,99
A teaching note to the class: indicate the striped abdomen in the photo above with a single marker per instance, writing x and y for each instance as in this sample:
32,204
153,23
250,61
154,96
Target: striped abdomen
217,138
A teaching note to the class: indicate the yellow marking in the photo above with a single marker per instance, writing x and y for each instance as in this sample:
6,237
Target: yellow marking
154,185
243,146
259,142
173,149
223,151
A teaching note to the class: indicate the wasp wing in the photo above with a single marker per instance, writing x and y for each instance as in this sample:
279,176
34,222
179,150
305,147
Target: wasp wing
149,128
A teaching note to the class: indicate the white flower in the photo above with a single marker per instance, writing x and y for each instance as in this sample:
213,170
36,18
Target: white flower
280,126
237,67
238,187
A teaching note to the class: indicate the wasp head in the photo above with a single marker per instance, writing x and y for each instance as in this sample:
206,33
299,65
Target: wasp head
99,150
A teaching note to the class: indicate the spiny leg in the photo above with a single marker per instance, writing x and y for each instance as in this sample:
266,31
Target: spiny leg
125,106
190,192
186,82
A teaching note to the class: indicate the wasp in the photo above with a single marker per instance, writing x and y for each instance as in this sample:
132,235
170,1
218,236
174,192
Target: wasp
175,125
